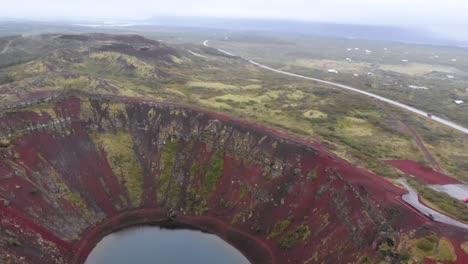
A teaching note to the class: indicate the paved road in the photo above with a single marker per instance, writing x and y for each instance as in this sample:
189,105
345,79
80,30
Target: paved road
349,88
7,46
411,198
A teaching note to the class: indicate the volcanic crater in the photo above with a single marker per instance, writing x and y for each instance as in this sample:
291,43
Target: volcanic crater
76,167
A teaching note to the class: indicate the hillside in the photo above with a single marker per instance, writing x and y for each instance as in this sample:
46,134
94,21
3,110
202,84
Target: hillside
99,132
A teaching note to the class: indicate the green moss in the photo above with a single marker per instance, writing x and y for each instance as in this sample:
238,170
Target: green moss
195,202
301,233
13,242
445,251
433,247
279,228
244,191
226,204
197,197
236,218
194,170
43,108
113,63
168,185
123,161
214,171
4,143
425,245
77,201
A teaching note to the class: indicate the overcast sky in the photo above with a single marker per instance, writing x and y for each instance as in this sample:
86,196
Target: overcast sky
450,16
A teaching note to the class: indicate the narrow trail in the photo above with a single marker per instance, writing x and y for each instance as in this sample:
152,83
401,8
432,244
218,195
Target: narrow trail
428,156
419,141
355,90
7,46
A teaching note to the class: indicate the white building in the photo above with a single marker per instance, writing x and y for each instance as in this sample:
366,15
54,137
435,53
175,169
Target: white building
418,87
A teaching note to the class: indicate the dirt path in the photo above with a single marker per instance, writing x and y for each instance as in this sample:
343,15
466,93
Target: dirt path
7,46
419,142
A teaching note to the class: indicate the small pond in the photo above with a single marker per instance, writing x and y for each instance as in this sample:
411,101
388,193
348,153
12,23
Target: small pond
152,245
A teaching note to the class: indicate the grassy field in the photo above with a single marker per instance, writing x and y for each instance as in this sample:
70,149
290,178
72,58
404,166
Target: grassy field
388,69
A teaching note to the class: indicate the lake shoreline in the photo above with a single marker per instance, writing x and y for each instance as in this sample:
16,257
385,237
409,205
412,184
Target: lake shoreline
253,248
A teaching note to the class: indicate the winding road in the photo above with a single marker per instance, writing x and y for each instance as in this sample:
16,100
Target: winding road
349,88
411,198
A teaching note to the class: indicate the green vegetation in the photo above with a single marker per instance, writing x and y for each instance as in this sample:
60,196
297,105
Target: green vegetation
386,250
43,108
198,194
4,143
236,219
226,204
390,76
13,242
426,245
244,191
76,199
280,227
123,161
115,63
433,247
301,233
168,186
214,171
196,203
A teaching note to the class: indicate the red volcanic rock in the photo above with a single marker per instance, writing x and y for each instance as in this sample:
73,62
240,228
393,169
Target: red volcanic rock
99,164
426,174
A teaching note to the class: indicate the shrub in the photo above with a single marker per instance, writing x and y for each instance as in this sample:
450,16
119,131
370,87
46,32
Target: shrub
425,245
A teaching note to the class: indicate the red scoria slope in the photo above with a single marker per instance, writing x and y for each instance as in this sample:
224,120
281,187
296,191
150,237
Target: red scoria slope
426,174
81,167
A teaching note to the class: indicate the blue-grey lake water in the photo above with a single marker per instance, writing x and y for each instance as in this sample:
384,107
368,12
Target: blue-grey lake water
154,245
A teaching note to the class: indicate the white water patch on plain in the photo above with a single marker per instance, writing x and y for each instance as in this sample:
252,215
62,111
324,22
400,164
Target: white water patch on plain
110,25
418,87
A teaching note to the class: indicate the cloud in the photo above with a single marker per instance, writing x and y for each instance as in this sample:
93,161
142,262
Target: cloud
439,15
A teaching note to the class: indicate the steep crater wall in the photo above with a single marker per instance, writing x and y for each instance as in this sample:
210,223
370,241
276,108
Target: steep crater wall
81,167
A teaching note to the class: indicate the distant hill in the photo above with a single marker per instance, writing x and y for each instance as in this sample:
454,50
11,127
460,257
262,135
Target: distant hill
368,32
